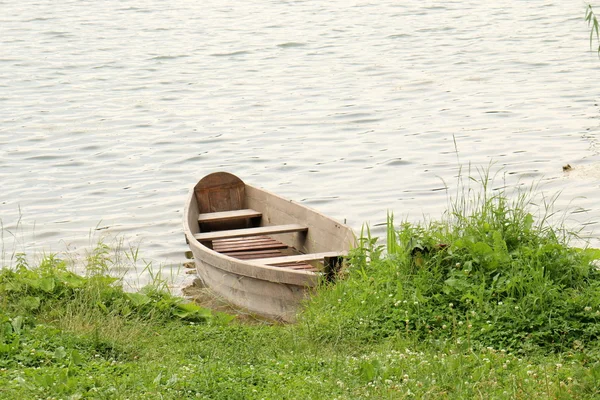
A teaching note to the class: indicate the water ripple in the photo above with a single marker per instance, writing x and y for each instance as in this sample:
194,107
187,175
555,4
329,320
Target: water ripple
110,112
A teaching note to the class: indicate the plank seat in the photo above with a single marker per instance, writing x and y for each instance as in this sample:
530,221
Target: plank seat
300,258
263,230
228,215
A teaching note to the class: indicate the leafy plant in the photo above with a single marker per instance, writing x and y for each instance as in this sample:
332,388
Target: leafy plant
51,287
494,273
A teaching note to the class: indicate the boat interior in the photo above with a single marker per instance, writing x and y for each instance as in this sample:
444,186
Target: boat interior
228,227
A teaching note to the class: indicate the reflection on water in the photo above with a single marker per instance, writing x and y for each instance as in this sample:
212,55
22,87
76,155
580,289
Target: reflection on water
108,113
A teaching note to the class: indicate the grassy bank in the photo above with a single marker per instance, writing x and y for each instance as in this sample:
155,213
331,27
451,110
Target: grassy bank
489,303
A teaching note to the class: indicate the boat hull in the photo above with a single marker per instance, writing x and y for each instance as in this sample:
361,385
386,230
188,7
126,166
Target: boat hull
270,291
277,301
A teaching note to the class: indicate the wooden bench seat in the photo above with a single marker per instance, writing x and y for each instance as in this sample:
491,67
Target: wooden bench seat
263,230
300,258
228,215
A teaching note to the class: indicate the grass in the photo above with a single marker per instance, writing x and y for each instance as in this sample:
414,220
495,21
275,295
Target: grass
490,302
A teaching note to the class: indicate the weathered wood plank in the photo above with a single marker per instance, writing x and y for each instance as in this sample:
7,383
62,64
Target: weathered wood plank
228,215
249,255
265,246
242,239
263,230
300,258
253,243
254,252
254,240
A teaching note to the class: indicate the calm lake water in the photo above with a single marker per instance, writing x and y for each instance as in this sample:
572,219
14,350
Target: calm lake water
111,110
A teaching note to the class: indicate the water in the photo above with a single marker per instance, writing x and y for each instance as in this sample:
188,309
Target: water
110,111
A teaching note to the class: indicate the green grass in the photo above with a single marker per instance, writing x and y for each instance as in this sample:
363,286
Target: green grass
124,356
491,302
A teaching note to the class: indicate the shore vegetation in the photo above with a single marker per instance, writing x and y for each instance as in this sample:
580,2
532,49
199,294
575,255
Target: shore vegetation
490,302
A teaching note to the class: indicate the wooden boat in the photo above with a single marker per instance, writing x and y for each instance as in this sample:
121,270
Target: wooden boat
257,250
